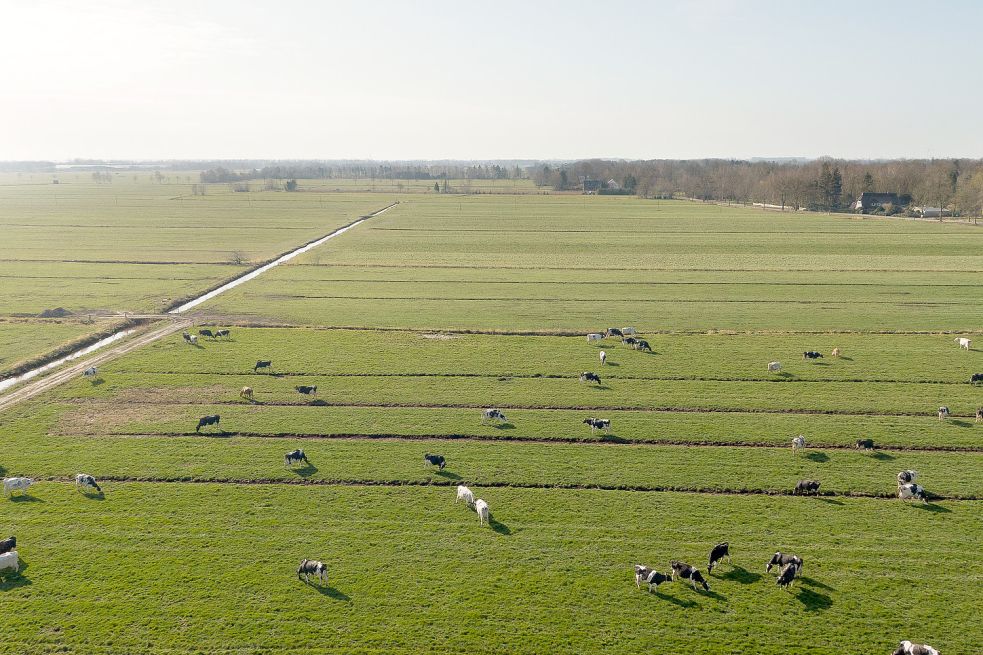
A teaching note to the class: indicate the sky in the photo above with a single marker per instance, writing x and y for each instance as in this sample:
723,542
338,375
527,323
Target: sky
369,79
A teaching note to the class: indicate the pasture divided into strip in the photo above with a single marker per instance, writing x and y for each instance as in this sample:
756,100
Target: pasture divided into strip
194,545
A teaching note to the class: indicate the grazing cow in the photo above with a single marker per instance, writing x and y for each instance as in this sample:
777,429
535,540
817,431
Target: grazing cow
904,477
207,333
650,576
798,442
687,572
865,444
909,648
188,337
943,413
629,341
613,332
10,561
10,485
263,363
604,358
804,487
465,494
979,414
774,367
481,507
8,544
223,333
205,421
628,331
306,390
310,567
90,372
434,460
598,424
587,376
781,560
811,354
912,490
594,336
836,352
787,576
718,552
84,482
642,344
964,343
975,378
493,415
295,457
246,393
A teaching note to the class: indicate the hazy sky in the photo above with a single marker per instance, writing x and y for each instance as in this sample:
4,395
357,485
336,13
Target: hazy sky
470,80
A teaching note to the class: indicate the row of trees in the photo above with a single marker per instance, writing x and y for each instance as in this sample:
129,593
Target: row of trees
360,171
825,184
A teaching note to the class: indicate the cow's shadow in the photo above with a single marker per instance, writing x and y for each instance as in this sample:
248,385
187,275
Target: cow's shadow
329,591
11,580
498,526
932,507
449,475
93,495
815,583
305,471
318,403
830,501
681,602
612,364
817,457
505,426
741,575
613,438
98,382
961,423
880,455
813,600
602,387
25,498
845,358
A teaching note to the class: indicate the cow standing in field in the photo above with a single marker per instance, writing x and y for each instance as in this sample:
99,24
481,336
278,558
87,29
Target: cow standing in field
629,341
774,367
976,378
781,560
207,333
865,444
190,338
614,332
812,354
718,553
979,414
481,507
223,333
594,336
603,424
604,358
836,352
944,413
642,344
797,443
465,494
628,331
806,487
434,460
91,372
912,490
10,561
787,576
492,414
246,393
205,421
309,568
8,544
587,376
307,390
649,576
84,482
908,648
964,343
263,363
687,572
10,485
295,457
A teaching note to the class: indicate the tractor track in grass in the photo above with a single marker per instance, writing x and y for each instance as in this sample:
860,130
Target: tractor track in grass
396,483
594,269
654,301
609,440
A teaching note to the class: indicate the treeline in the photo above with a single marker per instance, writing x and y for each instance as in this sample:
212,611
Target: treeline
364,170
826,184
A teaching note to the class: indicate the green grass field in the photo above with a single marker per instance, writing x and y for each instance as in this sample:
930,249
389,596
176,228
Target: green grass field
194,544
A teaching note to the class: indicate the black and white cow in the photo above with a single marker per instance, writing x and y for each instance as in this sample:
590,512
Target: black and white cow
904,477
944,413
190,338
787,576
781,560
865,444
805,487
976,378
207,333
587,376
642,344
493,415
223,333
912,490
295,457
84,481
307,390
614,332
812,354
718,552
649,576
687,572
205,421
91,372
8,544
909,648
263,363
311,567
629,341
434,460
979,414
598,424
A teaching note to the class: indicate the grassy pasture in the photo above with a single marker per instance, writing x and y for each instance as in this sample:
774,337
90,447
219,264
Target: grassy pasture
210,568
530,263
22,340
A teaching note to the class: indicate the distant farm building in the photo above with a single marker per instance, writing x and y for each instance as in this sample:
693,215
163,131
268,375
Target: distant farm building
592,186
931,212
869,201
614,186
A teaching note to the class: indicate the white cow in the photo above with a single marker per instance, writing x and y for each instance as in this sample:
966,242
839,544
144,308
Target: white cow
465,494
964,343
628,331
604,358
481,507
594,336
10,561
10,485
906,476
908,648
798,442
911,490
85,482
774,367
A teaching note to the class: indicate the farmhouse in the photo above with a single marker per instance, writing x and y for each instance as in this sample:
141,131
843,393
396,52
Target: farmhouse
869,200
592,186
